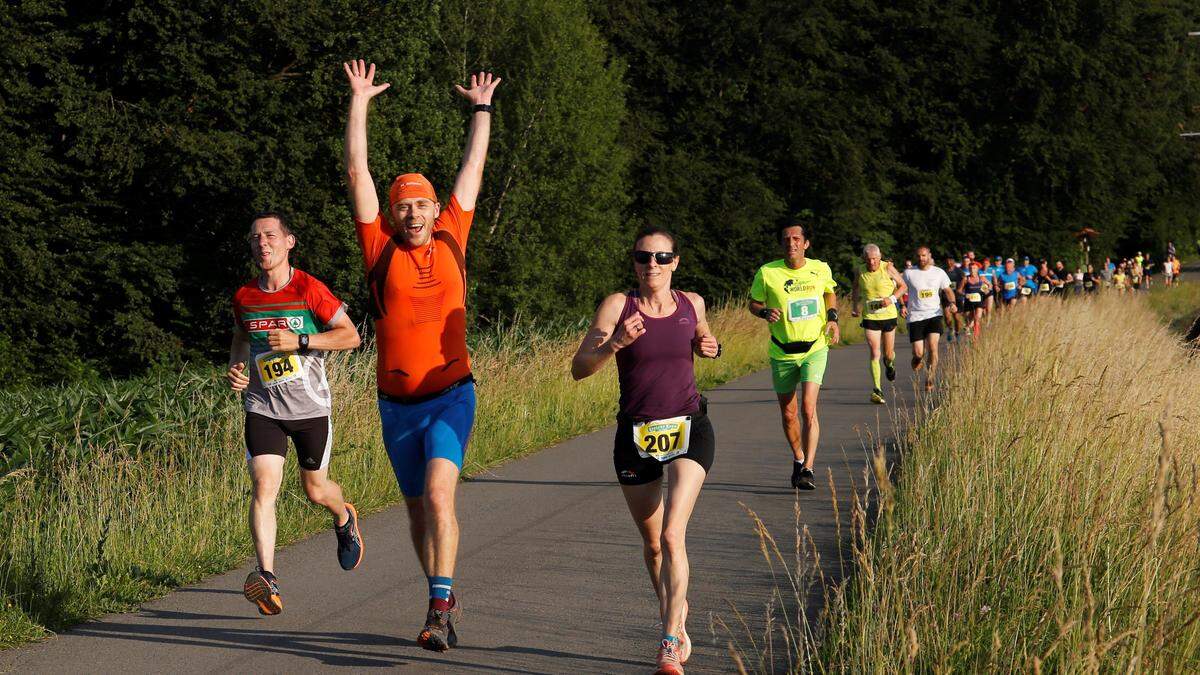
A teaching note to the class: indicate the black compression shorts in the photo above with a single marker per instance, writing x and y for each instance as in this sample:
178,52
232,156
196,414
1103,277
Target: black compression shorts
633,469
313,438
885,325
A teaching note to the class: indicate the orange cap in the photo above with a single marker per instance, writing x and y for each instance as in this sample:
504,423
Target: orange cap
411,185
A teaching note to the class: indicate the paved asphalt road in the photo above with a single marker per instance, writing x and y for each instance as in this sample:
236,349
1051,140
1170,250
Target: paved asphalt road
550,570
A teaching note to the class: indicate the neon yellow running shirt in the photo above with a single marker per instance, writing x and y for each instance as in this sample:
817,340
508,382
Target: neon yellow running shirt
874,286
799,296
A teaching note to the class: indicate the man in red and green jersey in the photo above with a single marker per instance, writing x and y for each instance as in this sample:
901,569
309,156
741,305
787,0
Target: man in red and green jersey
415,261
285,320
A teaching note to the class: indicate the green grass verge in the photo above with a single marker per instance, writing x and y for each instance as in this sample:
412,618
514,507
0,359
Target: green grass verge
1047,513
118,493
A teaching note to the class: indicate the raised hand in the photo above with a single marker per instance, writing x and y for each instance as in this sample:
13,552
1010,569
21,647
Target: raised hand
238,380
628,331
480,91
362,79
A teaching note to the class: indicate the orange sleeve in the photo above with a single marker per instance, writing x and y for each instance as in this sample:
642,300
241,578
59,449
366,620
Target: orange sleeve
371,238
456,221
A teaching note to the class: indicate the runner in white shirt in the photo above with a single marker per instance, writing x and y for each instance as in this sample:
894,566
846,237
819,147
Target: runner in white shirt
927,285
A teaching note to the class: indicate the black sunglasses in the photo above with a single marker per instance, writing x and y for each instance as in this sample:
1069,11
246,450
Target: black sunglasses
662,257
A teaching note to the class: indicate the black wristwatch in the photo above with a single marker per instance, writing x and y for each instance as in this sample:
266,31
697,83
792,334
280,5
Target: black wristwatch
719,350
831,315
764,312
483,107
304,343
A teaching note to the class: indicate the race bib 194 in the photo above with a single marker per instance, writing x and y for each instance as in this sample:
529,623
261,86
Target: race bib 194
974,297
663,440
802,309
276,368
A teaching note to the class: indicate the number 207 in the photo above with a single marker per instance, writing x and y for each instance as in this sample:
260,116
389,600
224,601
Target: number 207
662,442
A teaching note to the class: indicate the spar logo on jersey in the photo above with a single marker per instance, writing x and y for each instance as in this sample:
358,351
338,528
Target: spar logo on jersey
292,323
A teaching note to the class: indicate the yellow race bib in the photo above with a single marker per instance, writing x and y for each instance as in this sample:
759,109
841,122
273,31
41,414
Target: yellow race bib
276,368
663,440
925,293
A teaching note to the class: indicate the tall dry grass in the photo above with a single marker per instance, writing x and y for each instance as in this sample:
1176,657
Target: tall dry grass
1047,517
119,494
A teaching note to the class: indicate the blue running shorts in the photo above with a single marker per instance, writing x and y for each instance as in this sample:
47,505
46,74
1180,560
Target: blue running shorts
416,433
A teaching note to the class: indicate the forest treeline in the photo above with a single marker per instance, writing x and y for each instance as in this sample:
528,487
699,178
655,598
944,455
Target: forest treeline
137,137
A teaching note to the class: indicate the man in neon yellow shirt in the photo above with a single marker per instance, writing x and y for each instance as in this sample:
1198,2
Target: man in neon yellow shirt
795,296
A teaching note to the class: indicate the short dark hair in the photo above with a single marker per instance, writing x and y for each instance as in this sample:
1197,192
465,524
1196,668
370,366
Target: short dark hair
650,231
790,224
277,215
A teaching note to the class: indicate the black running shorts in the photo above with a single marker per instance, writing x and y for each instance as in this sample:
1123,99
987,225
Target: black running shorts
633,469
885,325
918,330
313,438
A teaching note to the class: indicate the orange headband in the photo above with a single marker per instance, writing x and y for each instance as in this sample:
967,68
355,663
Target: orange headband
411,185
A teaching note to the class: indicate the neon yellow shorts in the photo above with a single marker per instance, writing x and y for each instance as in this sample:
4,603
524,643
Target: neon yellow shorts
788,374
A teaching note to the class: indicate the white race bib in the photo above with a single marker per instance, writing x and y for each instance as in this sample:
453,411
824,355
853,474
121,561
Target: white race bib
974,297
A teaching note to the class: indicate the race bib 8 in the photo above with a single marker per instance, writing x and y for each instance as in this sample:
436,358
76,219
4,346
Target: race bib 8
276,368
925,293
663,440
802,309
974,297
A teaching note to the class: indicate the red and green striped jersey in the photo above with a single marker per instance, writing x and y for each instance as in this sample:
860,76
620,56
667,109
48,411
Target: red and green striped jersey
286,385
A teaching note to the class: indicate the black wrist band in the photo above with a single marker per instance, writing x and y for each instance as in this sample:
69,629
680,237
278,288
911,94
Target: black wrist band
303,343
831,315
719,350
764,312
483,107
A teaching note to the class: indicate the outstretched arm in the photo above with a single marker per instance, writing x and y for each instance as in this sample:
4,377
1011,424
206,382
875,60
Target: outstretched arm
470,175
363,198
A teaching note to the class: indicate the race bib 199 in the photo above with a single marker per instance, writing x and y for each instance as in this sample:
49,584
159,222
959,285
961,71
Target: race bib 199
925,293
802,309
276,368
663,440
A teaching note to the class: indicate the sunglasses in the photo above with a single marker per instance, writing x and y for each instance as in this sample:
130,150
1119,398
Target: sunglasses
661,257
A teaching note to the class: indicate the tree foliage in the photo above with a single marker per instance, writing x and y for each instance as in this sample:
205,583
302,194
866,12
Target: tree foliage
138,136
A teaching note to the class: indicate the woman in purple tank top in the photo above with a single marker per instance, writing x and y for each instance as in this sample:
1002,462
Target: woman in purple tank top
655,333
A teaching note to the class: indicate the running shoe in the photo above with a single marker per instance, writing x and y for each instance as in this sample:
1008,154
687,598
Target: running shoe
889,369
438,634
802,478
668,658
876,396
349,541
917,362
262,589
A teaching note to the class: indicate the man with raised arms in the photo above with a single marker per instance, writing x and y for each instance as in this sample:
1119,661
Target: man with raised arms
417,279
795,295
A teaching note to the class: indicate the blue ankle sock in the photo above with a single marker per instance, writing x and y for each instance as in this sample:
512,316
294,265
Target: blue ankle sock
671,638
439,587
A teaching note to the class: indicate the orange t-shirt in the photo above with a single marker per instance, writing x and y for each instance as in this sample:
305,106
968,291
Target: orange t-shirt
418,301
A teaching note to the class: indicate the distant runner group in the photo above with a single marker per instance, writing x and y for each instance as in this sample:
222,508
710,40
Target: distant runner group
414,257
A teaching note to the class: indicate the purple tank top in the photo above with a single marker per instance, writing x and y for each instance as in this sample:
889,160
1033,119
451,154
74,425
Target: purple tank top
655,372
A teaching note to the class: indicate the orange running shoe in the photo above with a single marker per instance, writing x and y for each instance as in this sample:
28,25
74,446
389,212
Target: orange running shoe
262,589
668,658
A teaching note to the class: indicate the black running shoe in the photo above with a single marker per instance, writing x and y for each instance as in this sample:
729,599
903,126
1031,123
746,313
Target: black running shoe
438,634
349,541
802,478
889,369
